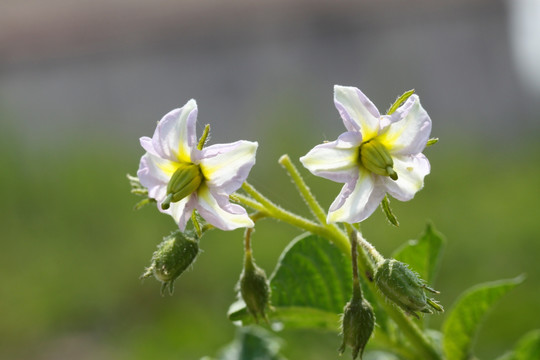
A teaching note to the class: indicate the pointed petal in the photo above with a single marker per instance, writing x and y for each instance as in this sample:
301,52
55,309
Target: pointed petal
411,170
181,210
154,174
216,209
357,111
408,130
148,145
226,166
337,160
357,200
175,135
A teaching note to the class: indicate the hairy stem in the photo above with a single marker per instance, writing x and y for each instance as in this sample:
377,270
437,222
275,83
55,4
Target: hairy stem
264,205
306,193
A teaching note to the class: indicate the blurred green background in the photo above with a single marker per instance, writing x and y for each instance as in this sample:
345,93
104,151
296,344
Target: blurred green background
73,106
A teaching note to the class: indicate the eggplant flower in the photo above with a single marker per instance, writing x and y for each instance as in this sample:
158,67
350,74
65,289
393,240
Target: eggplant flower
377,155
182,178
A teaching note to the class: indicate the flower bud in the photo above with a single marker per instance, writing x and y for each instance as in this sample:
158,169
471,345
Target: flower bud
376,158
404,288
185,180
254,288
172,257
357,324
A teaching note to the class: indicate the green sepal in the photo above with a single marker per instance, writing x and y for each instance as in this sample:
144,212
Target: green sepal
204,137
385,206
432,141
139,190
400,100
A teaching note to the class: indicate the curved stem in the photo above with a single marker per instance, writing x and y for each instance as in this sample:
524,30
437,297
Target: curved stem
264,205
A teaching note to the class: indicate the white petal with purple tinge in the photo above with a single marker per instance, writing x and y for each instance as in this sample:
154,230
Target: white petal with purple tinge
226,166
357,111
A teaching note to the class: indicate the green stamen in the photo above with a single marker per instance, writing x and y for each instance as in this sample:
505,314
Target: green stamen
185,180
375,157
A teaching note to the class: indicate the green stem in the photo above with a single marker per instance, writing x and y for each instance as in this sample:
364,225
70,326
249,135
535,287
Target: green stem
356,290
306,193
263,204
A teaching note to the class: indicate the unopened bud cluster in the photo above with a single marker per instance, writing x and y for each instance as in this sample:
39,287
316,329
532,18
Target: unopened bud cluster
403,287
254,289
357,324
173,256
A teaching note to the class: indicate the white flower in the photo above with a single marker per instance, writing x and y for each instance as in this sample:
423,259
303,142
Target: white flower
202,179
377,155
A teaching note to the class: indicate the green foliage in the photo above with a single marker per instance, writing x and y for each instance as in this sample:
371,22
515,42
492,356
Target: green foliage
252,342
527,348
423,255
464,319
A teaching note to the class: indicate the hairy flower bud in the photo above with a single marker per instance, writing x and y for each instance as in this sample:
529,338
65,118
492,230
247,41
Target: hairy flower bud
172,257
185,180
404,288
376,158
357,324
254,289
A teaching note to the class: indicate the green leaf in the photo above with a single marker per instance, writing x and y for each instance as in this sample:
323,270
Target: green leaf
527,348
313,273
423,255
252,343
464,319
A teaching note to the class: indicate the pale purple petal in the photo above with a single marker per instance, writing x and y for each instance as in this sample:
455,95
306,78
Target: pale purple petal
408,130
175,136
357,200
216,209
148,145
227,166
154,174
357,111
411,170
336,160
